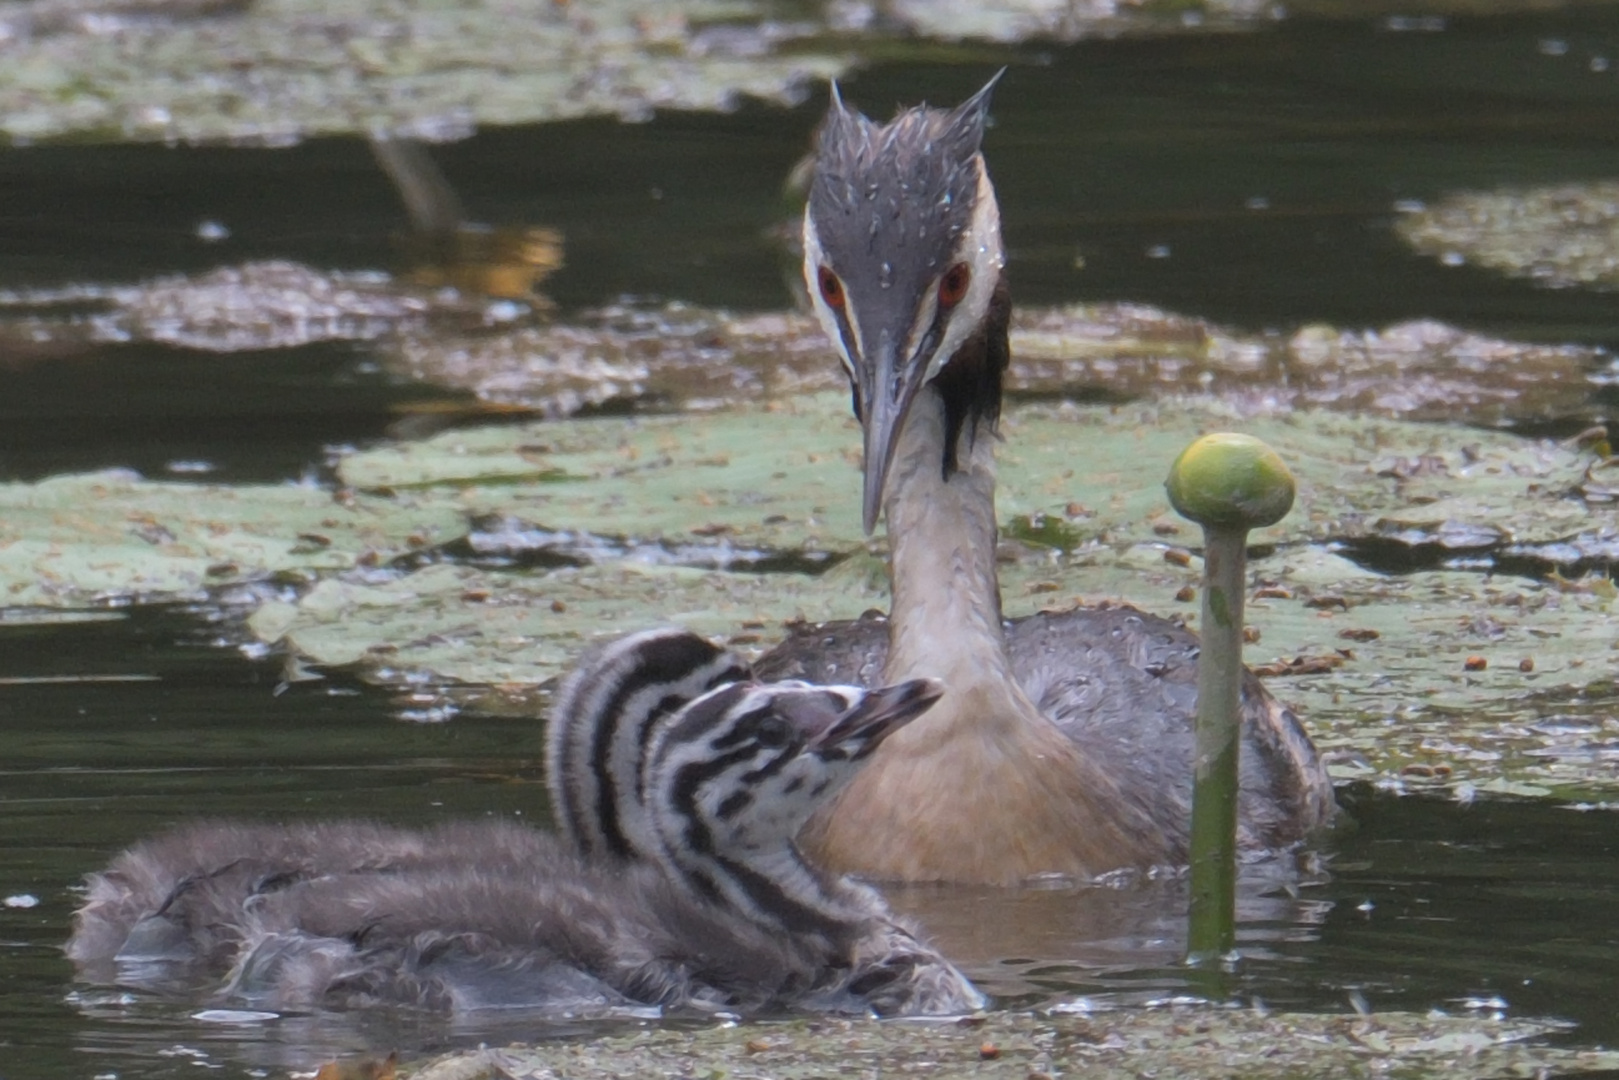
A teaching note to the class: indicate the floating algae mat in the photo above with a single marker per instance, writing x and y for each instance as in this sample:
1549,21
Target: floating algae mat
1444,677
112,536
679,355
1563,235
1181,1042
786,474
277,71
489,557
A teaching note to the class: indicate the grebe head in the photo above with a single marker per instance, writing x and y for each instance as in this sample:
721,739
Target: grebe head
903,258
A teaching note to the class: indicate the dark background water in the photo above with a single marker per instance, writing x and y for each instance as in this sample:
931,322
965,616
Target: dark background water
1103,153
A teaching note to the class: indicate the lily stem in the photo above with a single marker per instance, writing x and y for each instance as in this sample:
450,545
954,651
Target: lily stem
1212,929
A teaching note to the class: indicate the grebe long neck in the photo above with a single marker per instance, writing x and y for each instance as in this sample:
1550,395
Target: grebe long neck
946,613
984,787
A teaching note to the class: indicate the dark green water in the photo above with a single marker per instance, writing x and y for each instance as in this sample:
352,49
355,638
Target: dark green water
1502,905
1102,153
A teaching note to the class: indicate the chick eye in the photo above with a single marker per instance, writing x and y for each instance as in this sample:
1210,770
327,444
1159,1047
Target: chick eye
831,287
773,731
953,286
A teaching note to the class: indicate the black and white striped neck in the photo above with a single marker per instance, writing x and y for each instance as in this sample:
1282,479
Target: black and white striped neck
601,724
732,780
664,751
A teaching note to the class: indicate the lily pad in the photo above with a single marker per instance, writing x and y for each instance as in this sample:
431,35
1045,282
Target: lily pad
265,305
1402,699
671,356
1439,678
785,477
1435,679
112,536
1011,21
1355,475
771,478
274,304
277,71
1176,1041
474,626
1565,235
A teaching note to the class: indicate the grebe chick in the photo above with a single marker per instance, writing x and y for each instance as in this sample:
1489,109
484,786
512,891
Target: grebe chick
1063,743
718,912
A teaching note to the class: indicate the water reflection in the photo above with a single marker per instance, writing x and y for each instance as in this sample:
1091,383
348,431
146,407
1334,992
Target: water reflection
446,249
1125,942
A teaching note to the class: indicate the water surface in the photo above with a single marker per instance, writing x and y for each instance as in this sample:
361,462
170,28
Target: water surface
1248,178
1496,906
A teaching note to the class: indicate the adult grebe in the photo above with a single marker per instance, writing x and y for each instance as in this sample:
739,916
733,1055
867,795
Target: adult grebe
1063,743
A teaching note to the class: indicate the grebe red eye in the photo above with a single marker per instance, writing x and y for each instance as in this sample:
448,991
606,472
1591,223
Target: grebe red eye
953,286
831,287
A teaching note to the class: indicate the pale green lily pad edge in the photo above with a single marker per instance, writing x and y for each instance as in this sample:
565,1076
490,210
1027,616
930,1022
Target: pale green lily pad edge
1180,1041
